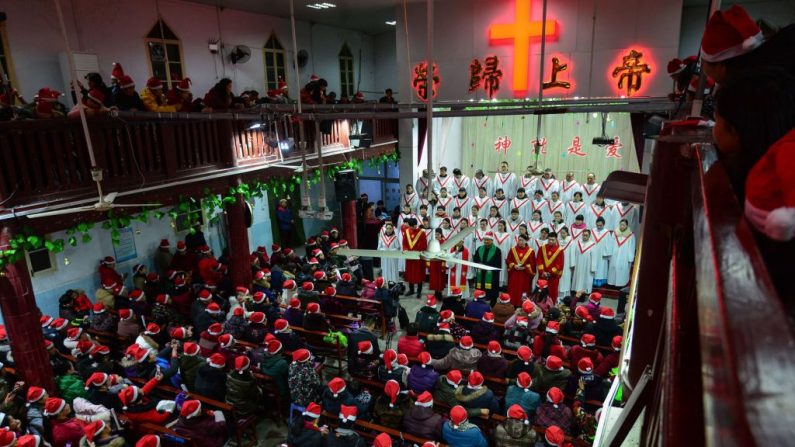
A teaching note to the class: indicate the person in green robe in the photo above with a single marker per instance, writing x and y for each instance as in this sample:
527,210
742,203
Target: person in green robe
491,255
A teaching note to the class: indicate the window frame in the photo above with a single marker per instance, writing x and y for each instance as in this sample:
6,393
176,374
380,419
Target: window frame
275,69
53,264
6,49
347,72
169,81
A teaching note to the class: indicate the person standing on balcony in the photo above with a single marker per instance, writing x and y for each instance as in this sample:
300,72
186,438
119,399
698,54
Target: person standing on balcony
125,98
220,97
285,217
153,97
387,98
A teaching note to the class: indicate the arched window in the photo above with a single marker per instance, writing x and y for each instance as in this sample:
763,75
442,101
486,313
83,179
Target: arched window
164,53
274,56
346,72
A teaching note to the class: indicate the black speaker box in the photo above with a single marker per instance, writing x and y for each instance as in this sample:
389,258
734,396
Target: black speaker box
345,186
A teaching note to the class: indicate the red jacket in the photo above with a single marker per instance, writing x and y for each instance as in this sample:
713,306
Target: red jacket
66,432
107,274
609,362
578,352
144,410
556,349
410,345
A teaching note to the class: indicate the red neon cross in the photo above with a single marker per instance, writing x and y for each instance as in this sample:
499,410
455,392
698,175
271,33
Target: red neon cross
521,31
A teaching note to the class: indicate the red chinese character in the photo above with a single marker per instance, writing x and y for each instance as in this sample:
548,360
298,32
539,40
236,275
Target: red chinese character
576,148
541,144
492,76
503,144
474,75
612,149
420,80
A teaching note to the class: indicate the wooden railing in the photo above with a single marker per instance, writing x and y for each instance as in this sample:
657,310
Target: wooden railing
711,355
42,160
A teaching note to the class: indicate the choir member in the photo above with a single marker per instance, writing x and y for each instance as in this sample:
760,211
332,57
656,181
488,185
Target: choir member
623,255
414,240
463,201
521,270
388,240
601,236
442,180
578,226
589,188
528,181
494,217
490,255
549,263
436,220
625,211
503,239
445,200
457,273
474,216
422,184
483,202
410,198
506,180
557,222
521,203
481,181
566,243
568,187
548,184
514,221
456,219
501,202
574,208
596,210
477,236
582,262
535,225
553,204
461,181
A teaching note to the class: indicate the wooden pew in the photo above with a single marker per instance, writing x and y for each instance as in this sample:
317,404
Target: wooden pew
355,304
315,340
371,430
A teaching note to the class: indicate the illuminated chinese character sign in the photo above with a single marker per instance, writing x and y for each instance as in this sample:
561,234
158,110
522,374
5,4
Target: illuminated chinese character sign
420,81
631,71
488,75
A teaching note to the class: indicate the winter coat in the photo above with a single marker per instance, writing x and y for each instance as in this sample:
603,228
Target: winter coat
346,288
315,322
255,333
502,312
332,404
578,352
146,411
593,389
303,433
35,418
364,365
423,422
104,322
518,366
392,417
476,309
342,437
303,382
460,359
362,334
154,103
593,310
422,379
493,366
236,327
514,433
544,379
557,349
438,345
399,374
547,415
607,364
294,316
275,367
128,328
517,336
454,304
477,399
427,318
410,345
467,435
107,399
604,330
483,332
188,368
126,103
242,392
291,341
90,412
528,400
211,382
107,298
69,387
66,432
203,430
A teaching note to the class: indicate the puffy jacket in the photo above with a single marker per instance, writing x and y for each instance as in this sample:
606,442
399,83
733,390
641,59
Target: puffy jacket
399,374
557,349
528,400
275,367
514,433
69,387
422,379
604,330
477,399
607,364
460,359
423,422
426,319
467,435
211,382
294,316
493,366
438,345
242,392
391,416
410,345
578,352
203,430
502,312
106,298
483,332
332,404
476,309
544,379
153,104
188,368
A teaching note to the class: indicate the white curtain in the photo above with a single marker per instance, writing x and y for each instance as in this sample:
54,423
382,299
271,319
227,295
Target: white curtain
481,133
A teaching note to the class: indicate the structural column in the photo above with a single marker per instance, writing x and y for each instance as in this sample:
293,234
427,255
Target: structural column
239,249
349,223
21,316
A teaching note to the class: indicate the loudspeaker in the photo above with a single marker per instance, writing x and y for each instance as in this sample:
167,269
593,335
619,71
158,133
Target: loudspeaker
345,186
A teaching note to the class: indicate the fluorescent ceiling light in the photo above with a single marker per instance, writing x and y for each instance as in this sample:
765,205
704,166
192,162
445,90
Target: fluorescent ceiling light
324,5
391,22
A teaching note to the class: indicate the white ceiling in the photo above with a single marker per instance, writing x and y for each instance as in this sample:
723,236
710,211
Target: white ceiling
362,15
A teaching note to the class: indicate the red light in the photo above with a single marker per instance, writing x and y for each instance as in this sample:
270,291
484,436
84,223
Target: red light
617,66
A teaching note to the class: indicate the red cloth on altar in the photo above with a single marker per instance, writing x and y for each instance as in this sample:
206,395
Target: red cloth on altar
520,281
414,240
436,279
550,262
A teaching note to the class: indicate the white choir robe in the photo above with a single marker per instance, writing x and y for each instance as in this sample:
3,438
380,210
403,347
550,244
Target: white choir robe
547,186
589,192
402,218
506,181
572,210
564,286
605,250
537,205
621,261
411,200
463,182
427,204
567,190
436,221
530,184
465,205
593,212
446,234
513,226
484,205
548,212
523,205
476,184
493,221
556,226
576,232
447,203
583,264
473,220
443,182
504,241
534,229
629,212
420,185
456,223
457,274
389,266
503,206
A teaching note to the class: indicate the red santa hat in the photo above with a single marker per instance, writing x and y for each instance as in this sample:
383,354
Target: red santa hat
348,413
542,283
93,430
390,359
453,377
137,295
444,327
525,354
347,277
554,363
693,86
587,340
475,380
184,85
312,410
382,440
607,313
213,308
7,437
59,324
424,400
729,34
313,261
488,235
457,292
595,298
521,320
480,294
154,84
523,381
280,325
307,286
488,317
108,260
137,268
240,290
288,251
313,308
516,412
554,436
330,291
96,379
391,390
73,333
257,318
447,315
343,243
108,284
148,441
466,342
494,349
96,96
528,307
45,320
675,66
359,95
215,329
226,340
97,350
430,301
98,308
379,282
769,194
53,406
239,311
83,347
125,314
241,364
152,329
301,355
191,349
585,365
314,77
295,303
553,327
424,358
30,441
555,396
336,386
617,342
334,246
217,360
458,415
204,249
505,298
117,72
35,394
181,246
274,346
153,277
190,409
582,312
205,295
365,347
289,284
140,354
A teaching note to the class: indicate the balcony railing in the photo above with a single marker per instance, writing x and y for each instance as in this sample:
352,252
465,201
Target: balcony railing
44,160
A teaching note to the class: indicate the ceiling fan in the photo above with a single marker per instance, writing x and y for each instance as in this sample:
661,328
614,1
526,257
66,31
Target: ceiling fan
435,252
105,203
